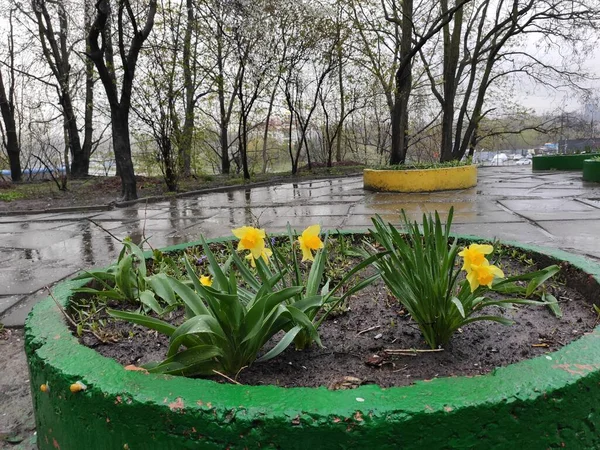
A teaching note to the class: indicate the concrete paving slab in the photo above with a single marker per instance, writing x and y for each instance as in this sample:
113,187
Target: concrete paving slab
34,225
127,214
70,216
541,216
521,232
25,277
10,255
574,229
16,315
549,205
593,202
299,223
32,239
7,301
318,210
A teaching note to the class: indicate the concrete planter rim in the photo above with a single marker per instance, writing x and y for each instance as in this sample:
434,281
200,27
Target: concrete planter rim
50,343
567,162
419,170
420,180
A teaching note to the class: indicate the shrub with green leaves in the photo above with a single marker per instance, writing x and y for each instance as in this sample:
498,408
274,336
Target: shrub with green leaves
128,280
421,271
322,298
226,324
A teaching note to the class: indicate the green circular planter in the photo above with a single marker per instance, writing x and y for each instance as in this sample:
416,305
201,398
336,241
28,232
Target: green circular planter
547,402
561,162
591,170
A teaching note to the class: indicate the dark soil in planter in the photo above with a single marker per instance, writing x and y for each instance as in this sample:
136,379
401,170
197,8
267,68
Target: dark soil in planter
355,340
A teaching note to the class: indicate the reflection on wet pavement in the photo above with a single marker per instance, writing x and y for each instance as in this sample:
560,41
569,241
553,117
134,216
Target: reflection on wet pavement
551,208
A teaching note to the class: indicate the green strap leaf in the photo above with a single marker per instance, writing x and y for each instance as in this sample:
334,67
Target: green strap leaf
154,324
148,299
201,327
281,345
123,277
197,360
459,306
189,297
160,285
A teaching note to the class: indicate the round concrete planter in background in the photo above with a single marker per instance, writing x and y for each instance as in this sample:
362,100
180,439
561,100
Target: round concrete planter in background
547,402
420,180
591,170
561,162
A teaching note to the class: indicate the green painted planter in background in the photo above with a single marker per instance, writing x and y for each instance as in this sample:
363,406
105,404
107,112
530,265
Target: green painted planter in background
561,162
591,170
547,402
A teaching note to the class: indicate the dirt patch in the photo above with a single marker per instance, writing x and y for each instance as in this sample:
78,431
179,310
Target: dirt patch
17,424
356,341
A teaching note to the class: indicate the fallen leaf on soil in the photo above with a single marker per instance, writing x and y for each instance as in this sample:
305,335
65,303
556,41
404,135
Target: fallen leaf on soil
375,360
136,368
345,383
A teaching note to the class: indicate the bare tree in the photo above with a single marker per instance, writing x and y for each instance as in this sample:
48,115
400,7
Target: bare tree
101,52
10,139
484,47
57,51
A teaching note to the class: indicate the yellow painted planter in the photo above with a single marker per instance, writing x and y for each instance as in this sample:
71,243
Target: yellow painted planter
420,180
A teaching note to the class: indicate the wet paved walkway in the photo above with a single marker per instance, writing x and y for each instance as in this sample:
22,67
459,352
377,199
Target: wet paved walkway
551,208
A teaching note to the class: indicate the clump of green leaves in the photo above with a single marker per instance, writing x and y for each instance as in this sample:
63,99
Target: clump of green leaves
129,280
226,325
9,196
322,297
421,271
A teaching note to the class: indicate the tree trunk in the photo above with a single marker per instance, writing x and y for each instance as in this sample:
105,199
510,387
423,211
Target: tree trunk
185,144
88,125
12,141
399,116
169,164
103,59
403,80
78,169
452,42
224,119
266,132
338,148
122,149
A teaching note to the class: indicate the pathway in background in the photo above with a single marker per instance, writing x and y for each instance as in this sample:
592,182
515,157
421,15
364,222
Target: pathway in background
555,209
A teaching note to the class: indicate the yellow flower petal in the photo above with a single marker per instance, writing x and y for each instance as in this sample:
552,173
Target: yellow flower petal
472,279
309,241
483,275
306,253
313,230
206,280
251,238
474,255
265,255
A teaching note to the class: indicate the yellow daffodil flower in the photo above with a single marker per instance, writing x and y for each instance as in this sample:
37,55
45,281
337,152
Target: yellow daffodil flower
309,241
474,255
252,239
206,280
483,275
266,254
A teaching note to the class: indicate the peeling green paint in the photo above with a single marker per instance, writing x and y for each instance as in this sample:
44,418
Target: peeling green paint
591,170
550,401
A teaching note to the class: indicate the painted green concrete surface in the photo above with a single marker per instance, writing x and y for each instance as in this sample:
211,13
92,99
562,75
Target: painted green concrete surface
561,162
547,402
591,170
